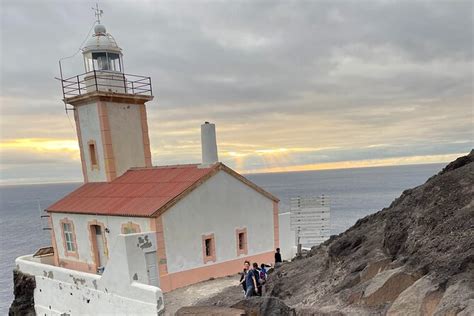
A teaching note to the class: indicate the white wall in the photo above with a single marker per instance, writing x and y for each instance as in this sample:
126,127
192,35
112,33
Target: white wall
121,290
287,237
90,130
220,206
127,138
80,221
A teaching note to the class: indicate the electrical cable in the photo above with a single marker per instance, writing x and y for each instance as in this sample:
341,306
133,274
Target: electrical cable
80,47
78,50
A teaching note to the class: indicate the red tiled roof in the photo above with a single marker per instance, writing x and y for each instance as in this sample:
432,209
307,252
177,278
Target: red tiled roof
141,191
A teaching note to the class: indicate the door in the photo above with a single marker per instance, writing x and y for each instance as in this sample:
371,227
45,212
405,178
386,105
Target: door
99,247
151,268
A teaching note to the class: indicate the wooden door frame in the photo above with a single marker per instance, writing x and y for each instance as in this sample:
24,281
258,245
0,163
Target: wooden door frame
93,241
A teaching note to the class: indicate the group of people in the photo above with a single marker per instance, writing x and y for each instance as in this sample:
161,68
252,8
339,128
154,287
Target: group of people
253,277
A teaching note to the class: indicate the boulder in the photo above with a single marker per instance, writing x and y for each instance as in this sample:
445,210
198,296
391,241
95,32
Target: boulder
418,299
373,269
386,286
458,298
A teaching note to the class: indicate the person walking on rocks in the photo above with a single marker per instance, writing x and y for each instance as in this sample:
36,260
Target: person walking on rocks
244,275
277,257
256,271
251,282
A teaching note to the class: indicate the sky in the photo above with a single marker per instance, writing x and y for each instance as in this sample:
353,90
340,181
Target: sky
290,85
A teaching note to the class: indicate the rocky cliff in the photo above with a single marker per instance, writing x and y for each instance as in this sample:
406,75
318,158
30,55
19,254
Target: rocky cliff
415,257
23,289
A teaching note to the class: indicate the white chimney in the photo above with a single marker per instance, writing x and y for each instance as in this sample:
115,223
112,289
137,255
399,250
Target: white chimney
208,144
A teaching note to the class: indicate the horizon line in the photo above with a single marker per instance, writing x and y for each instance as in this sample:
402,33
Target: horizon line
274,170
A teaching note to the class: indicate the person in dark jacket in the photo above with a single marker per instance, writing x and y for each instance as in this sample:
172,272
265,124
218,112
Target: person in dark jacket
256,271
251,282
277,257
243,276
263,273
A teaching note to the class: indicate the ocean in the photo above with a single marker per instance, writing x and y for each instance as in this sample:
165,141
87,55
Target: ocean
353,194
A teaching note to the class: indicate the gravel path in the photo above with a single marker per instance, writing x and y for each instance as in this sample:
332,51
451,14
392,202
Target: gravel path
221,292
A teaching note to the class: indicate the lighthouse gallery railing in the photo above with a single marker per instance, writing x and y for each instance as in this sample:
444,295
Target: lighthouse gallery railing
106,81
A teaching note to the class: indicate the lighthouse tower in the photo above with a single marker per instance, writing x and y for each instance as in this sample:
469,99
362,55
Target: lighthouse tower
109,111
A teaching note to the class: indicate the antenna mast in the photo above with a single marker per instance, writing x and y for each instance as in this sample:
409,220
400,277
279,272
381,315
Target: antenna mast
98,12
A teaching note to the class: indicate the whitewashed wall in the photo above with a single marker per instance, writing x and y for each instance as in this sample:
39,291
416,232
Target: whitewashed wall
287,237
121,290
127,137
90,130
80,221
220,206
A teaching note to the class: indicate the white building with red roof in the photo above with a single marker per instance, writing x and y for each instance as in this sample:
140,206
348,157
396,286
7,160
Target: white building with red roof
206,221
133,230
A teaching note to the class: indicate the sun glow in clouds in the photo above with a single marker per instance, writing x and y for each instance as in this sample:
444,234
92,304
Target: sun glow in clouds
408,160
284,160
41,145
268,157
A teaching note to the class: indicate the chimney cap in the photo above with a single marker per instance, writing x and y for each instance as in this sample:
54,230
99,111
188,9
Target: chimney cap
206,122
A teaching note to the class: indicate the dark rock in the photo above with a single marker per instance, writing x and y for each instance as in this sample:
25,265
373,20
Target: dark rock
428,231
23,289
360,267
395,235
209,310
261,306
345,245
458,163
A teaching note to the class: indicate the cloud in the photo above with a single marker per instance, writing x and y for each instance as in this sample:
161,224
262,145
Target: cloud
410,160
284,75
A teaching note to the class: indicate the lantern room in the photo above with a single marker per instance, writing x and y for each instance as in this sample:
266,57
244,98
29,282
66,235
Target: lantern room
104,70
101,52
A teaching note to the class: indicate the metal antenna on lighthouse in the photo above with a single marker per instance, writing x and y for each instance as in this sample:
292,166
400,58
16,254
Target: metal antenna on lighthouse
98,12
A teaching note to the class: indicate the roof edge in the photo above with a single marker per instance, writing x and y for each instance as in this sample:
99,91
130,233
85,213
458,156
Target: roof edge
215,169
246,181
165,166
97,214
176,199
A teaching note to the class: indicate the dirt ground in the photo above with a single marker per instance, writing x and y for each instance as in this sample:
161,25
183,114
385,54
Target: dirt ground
224,291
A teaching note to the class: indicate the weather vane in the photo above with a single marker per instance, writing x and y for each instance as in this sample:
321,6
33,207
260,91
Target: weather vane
98,12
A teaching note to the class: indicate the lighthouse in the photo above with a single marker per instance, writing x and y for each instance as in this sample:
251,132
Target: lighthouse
133,231
109,110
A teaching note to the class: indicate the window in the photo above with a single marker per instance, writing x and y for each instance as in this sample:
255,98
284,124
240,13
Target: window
241,237
69,237
100,61
93,155
114,61
98,230
209,248
105,61
241,241
67,227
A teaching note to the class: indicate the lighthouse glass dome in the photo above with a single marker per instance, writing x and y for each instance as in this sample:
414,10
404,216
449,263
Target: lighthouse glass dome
101,52
107,61
104,71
